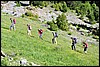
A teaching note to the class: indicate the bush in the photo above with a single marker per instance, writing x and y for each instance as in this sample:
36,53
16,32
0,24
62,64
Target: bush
29,13
53,26
40,3
23,15
95,37
18,4
69,33
62,22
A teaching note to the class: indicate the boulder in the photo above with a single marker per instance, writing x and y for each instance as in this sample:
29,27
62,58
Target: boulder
3,54
23,62
25,3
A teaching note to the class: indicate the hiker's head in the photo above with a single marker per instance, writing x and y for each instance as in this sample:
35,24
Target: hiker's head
10,18
71,37
83,42
14,19
27,24
38,29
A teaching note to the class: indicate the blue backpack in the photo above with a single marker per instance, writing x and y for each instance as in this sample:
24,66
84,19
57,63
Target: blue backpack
75,40
56,34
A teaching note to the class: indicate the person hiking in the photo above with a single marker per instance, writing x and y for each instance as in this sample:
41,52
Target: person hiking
13,24
85,47
73,43
11,20
40,31
55,35
29,28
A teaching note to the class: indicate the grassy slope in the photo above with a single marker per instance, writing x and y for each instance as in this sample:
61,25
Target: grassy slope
43,52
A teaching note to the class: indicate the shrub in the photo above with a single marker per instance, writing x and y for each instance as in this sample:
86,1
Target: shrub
18,4
69,33
62,22
53,26
95,37
29,13
23,15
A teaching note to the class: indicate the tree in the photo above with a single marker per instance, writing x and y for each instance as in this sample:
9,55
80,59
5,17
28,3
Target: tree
62,22
96,12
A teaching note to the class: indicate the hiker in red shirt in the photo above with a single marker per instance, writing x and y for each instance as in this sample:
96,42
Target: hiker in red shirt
40,31
13,21
85,47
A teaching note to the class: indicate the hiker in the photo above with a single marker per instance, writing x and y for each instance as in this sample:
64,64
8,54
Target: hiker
74,43
29,28
85,47
11,20
40,31
55,35
13,24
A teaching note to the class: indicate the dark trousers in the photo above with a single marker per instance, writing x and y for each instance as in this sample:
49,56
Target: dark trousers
85,49
73,46
41,36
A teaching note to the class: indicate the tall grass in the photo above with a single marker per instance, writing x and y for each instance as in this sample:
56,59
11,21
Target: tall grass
43,52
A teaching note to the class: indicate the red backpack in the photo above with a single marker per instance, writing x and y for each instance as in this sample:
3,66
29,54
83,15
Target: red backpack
14,21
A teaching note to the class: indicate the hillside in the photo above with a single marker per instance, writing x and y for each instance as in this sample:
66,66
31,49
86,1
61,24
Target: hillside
42,52
33,51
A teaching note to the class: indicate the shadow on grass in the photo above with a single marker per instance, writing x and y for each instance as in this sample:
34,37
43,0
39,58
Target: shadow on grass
5,28
79,51
32,36
47,41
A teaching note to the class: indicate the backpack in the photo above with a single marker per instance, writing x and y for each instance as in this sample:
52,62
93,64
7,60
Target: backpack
56,34
30,27
14,21
75,40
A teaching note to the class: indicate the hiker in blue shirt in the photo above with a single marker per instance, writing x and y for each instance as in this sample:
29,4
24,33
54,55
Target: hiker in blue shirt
74,41
55,35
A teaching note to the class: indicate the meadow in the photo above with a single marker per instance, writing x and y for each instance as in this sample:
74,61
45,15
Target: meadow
43,52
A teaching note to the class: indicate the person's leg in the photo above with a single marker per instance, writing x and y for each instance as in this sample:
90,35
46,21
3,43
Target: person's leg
41,36
72,46
28,32
11,27
14,27
55,41
85,50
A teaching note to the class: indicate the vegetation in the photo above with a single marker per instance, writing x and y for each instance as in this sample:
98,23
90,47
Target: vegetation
40,4
53,25
30,15
18,4
61,6
42,52
62,22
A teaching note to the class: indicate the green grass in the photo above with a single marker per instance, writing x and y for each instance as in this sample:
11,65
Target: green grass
43,52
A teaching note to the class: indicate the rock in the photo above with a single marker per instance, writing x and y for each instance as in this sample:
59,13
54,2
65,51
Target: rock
23,62
31,63
3,54
24,3
10,58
